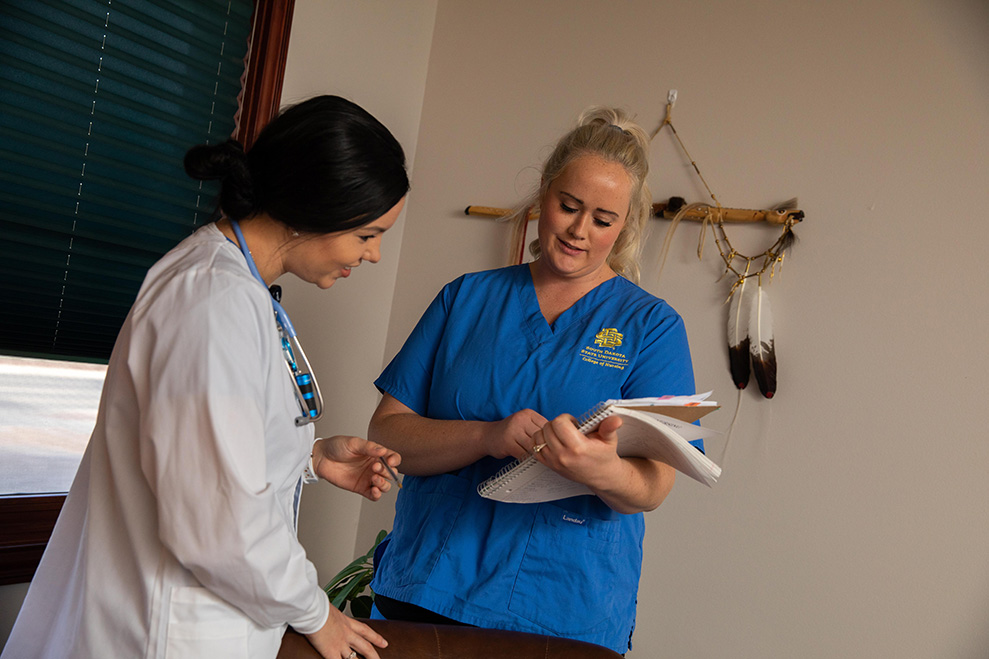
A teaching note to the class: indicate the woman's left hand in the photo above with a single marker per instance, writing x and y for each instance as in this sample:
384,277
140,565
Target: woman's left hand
627,485
354,464
589,459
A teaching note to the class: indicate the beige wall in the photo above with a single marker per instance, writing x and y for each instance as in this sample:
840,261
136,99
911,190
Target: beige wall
850,520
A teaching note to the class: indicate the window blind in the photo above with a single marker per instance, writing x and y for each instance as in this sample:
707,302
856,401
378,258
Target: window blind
99,101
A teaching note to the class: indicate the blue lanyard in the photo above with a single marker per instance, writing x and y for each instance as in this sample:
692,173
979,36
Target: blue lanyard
306,387
280,313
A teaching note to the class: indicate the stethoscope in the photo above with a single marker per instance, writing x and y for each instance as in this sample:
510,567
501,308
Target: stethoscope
306,387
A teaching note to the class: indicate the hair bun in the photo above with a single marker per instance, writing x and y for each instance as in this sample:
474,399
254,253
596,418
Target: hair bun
227,163
207,162
603,116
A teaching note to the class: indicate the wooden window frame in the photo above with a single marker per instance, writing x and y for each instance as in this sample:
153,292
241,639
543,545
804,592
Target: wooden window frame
27,521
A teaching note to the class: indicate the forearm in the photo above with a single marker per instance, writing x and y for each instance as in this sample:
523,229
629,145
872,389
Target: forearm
634,485
429,446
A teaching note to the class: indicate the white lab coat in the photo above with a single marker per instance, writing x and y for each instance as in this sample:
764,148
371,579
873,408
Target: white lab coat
177,539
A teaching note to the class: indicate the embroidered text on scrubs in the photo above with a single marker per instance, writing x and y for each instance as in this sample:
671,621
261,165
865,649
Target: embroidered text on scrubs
601,357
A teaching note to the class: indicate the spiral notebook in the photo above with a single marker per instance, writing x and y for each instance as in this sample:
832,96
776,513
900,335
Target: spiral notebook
658,428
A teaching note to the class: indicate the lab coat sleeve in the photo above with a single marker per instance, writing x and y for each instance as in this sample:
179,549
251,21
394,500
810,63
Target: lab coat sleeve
205,358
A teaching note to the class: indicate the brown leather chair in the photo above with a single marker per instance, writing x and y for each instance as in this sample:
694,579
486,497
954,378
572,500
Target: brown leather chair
416,640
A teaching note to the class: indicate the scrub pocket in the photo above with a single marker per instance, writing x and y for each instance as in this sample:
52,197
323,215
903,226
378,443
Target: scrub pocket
203,626
577,576
425,514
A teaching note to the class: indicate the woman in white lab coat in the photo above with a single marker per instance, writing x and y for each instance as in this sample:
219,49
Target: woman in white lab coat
178,536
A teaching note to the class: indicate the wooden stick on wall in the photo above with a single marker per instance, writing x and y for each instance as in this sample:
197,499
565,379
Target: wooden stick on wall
669,209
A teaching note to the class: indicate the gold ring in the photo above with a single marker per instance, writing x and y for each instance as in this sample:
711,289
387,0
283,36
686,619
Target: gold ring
538,448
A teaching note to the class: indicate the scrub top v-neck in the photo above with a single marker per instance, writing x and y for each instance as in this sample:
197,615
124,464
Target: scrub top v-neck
542,330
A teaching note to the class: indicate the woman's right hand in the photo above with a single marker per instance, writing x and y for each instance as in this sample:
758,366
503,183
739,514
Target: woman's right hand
340,635
512,436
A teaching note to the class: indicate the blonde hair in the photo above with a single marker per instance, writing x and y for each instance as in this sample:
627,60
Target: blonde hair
608,133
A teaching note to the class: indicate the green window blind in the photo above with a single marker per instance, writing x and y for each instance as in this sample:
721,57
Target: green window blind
99,101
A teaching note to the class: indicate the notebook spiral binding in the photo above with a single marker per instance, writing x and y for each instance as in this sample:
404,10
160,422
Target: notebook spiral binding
502,477
593,417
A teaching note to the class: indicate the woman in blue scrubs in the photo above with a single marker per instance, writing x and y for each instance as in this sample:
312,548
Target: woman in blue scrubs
495,368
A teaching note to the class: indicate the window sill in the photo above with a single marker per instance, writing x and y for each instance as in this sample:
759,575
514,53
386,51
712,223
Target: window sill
27,522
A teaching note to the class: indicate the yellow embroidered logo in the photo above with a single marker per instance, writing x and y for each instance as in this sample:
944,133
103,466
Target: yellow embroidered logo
605,355
609,337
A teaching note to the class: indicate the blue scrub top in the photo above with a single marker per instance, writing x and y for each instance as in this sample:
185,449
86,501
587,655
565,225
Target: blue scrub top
483,351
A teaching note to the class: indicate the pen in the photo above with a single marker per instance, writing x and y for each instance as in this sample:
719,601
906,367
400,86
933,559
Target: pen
391,471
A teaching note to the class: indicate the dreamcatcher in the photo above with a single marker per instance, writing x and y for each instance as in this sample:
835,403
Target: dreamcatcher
750,318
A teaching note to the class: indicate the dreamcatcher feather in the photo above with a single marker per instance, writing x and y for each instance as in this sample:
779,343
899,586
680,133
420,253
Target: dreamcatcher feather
761,343
738,333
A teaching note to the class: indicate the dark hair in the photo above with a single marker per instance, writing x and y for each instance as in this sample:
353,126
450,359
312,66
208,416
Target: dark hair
320,166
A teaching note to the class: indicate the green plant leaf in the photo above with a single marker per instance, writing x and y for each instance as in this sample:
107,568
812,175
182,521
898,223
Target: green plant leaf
355,566
345,575
366,578
348,584
377,541
349,591
333,591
